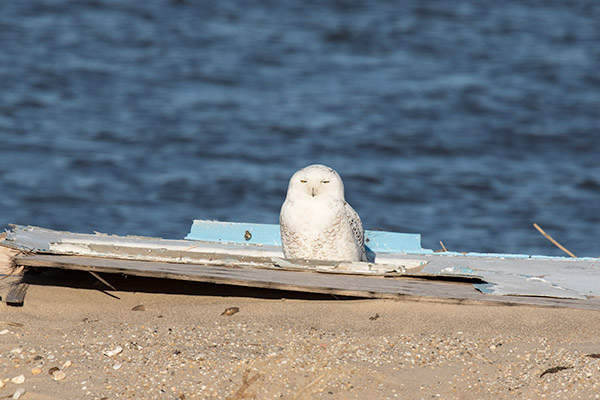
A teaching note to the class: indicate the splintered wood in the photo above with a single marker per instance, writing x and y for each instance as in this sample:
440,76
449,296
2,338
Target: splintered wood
6,256
11,276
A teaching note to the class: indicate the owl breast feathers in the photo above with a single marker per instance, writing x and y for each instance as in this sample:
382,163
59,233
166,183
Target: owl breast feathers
316,221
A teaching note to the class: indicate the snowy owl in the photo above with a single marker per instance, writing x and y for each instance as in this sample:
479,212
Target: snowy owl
316,222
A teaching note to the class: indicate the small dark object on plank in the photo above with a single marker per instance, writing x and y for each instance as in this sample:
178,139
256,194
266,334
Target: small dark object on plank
16,294
373,318
230,311
553,370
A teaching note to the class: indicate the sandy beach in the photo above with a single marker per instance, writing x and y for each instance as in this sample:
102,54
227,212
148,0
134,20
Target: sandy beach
159,339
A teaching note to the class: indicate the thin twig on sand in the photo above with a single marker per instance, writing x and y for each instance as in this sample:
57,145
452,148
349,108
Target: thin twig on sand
9,323
246,382
309,386
536,226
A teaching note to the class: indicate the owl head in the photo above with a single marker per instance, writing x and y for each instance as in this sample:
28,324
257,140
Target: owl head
316,181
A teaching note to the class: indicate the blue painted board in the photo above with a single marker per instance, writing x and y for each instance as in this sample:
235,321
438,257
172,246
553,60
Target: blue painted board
235,232
268,234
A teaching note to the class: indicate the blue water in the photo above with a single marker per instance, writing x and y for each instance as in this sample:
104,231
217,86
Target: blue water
464,121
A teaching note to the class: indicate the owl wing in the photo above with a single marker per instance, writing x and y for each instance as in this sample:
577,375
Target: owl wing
357,229
289,238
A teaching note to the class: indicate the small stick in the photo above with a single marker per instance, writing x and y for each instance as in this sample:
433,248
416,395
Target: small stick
309,386
246,382
536,226
17,324
102,280
443,247
192,247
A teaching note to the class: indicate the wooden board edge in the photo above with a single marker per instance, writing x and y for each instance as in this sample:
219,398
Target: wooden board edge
7,256
16,294
475,299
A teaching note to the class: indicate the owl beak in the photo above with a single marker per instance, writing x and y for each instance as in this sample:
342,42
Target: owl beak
312,192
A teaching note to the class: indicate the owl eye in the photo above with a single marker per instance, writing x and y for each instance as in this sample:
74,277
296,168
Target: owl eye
303,180
325,181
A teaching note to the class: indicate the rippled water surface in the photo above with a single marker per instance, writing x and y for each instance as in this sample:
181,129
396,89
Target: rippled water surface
464,121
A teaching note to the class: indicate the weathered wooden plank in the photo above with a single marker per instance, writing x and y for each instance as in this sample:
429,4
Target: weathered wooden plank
203,256
303,281
268,234
266,278
16,294
517,275
535,276
155,249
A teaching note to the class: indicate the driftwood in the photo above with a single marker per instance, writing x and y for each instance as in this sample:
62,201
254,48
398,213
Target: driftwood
405,288
16,294
458,278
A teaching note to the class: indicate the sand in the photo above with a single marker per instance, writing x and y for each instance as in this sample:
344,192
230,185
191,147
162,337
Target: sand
158,339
